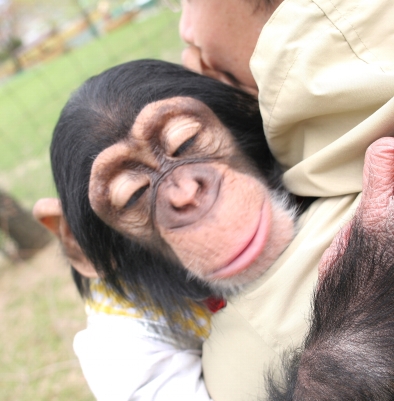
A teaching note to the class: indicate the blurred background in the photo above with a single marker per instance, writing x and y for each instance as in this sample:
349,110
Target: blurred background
47,49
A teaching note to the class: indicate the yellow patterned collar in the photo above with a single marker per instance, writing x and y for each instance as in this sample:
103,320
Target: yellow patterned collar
105,301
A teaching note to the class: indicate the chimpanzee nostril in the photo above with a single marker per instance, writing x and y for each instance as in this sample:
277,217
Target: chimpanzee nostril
182,209
186,195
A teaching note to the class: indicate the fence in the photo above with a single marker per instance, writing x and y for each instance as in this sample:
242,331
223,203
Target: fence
30,101
39,308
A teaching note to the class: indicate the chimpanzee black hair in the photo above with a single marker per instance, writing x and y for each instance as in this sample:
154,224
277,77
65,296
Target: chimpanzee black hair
348,353
100,114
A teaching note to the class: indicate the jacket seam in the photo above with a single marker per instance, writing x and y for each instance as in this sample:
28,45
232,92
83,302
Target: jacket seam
343,18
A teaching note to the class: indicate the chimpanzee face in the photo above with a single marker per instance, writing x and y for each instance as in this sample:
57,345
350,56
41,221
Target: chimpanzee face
178,179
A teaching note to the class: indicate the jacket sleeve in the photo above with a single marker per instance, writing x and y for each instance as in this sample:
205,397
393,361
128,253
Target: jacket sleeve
122,362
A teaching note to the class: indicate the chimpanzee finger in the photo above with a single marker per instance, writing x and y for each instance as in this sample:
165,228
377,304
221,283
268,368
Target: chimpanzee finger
375,209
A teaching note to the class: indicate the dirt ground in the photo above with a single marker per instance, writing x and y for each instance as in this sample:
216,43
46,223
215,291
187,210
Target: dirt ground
40,312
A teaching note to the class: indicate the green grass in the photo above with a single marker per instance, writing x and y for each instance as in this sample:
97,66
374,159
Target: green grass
40,312
30,102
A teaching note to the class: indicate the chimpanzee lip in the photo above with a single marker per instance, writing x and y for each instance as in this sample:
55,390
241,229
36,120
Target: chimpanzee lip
251,251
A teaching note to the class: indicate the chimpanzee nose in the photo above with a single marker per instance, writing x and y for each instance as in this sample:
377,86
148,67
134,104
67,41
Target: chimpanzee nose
186,195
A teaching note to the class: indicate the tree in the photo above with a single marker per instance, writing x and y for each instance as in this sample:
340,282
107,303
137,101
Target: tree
10,40
19,224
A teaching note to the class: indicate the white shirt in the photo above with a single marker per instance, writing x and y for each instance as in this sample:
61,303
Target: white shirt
123,360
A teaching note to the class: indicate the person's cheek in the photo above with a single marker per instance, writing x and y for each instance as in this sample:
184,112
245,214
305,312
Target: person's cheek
191,58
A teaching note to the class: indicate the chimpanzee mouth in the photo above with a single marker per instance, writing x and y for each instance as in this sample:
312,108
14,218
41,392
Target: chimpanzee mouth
251,251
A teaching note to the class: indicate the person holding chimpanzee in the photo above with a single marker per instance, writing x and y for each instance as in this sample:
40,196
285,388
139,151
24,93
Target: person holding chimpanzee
170,129
320,137
200,141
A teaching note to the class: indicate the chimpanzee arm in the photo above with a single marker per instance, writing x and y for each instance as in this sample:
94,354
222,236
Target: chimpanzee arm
348,353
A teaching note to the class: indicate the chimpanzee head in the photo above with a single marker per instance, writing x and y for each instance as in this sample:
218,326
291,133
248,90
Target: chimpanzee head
165,180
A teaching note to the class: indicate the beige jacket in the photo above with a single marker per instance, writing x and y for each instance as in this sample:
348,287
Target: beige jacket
325,70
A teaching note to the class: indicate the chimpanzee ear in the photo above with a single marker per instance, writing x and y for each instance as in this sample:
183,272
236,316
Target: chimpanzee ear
48,212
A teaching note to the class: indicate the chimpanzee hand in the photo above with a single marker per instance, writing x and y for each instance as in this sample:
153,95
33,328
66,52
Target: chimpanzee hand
348,352
376,209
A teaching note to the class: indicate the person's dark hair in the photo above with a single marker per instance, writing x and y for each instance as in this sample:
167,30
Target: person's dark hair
348,353
101,113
